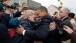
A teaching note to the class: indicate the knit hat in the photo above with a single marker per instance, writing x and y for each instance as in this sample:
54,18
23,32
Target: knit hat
1,7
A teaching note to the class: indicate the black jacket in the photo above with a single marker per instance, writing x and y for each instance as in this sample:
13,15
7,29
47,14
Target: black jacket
4,36
42,33
64,35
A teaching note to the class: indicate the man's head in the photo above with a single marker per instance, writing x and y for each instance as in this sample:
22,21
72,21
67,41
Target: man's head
1,9
64,12
41,11
71,15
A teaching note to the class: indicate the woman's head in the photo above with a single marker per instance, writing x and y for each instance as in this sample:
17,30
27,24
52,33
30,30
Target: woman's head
30,14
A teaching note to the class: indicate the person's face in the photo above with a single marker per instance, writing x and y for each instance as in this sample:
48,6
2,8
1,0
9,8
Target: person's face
40,13
62,13
31,17
24,5
36,15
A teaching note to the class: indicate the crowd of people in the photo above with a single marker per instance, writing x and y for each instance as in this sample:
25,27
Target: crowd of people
25,25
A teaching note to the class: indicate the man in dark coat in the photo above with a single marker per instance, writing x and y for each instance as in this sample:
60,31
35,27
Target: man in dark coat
42,33
64,21
4,36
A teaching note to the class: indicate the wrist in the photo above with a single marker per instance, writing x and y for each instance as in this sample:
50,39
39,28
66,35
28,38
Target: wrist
23,32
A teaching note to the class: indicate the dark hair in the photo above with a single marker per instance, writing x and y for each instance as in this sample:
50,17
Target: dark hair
71,15
55,13
42,8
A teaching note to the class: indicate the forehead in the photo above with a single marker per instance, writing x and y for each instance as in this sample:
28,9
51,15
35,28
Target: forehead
38,10
62,10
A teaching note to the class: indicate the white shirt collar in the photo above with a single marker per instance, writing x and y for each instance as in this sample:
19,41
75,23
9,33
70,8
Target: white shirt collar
63,18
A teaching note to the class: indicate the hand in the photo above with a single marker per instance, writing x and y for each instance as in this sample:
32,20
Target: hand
22,9
38,42
63,42
19,30
68,30
8,3
74,28
52,26
21,17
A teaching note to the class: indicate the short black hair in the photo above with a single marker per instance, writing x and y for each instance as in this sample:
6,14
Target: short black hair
42,8
71,15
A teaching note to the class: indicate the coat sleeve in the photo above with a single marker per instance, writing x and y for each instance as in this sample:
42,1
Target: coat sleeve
42,32
73,36
25,24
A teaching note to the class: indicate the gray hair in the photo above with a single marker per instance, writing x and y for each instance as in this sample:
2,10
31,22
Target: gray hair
27,13
67,10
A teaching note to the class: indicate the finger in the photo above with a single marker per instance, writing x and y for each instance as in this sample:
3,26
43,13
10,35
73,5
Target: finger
52,24
20,26
66,27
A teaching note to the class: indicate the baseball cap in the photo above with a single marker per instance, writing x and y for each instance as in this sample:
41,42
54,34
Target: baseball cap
2,7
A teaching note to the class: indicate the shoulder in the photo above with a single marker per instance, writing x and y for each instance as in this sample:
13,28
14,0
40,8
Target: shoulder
47,18
66,21
24,21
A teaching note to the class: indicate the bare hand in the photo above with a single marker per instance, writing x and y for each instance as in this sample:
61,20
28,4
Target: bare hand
52,26
23,8
38,42
20,30
68,30
63,41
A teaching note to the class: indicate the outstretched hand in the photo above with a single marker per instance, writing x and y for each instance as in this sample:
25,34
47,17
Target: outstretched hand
68,30
19,30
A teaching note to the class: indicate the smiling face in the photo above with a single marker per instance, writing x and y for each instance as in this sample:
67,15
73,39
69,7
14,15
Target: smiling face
40,13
